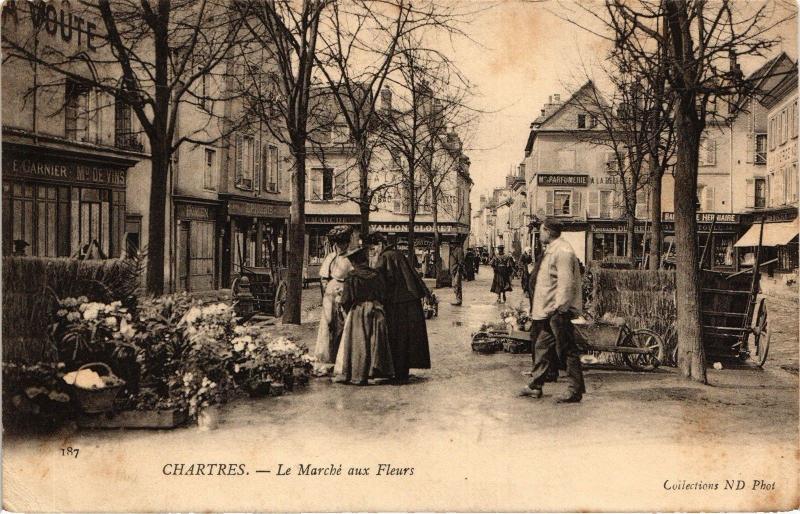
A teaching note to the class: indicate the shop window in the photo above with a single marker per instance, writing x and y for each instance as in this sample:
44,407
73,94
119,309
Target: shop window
723,250
76,111
91,222
609,247
761,149
244,161
317,246
210,169
36,220
787,257
270,168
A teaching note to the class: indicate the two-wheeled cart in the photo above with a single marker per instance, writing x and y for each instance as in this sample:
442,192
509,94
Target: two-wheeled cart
260,289
641,348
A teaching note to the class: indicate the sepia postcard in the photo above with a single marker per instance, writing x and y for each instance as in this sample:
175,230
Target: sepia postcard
384,255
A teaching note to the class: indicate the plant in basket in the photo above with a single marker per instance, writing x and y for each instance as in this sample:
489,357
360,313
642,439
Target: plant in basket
85,331
35,395
94,390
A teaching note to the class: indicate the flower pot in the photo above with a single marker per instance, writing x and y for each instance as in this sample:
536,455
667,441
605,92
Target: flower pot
208,418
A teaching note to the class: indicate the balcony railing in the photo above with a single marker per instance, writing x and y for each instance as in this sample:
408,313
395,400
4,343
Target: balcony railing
129,142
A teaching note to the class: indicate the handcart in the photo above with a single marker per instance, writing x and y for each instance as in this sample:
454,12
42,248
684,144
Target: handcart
641,349
260,289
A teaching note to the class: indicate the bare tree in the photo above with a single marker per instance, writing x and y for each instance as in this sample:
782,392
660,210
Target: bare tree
698,40
141,55
280,91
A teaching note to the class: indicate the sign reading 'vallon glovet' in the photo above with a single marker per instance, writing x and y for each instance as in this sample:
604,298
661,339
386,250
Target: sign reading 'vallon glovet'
63,170
563,180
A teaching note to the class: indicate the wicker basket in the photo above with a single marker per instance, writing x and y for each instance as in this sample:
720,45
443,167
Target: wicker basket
95,401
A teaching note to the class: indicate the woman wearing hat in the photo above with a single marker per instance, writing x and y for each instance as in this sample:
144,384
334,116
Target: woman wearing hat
364,351
333,271
503,266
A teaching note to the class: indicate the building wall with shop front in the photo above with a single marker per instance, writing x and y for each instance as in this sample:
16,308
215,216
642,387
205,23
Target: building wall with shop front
70,176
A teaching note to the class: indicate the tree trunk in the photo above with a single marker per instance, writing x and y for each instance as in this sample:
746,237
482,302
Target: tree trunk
156,229
656,228
691,354
412,221
630,230
363,195
436,240
297,232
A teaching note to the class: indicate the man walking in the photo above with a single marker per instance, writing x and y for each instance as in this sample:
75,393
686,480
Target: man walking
457,272
557,298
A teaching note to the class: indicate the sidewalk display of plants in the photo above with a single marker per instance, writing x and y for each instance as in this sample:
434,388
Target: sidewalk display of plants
169,354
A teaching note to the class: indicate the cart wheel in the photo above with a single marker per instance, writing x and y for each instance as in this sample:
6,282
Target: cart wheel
280,299
643,338
761,334
235,287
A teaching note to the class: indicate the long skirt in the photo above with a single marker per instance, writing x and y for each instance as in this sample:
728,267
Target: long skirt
364,351
330,324
501,282
408,337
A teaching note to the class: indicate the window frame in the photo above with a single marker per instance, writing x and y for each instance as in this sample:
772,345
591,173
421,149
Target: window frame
559,212
761,157
210,169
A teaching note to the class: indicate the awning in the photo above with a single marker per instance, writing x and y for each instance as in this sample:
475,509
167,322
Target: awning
775,234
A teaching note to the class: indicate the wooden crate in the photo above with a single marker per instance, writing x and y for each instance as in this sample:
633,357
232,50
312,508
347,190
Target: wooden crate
134,419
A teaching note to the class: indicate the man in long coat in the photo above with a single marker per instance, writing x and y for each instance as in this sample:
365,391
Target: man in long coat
408,335
469,265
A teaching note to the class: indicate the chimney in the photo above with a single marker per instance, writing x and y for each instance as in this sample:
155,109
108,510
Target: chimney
386,98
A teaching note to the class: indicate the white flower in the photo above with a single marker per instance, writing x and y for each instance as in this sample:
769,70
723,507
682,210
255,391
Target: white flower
111,321
236,368
73,316
62,312
251,347
82,299
90,313
238,346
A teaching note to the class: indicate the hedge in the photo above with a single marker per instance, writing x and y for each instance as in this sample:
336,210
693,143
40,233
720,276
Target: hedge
32,287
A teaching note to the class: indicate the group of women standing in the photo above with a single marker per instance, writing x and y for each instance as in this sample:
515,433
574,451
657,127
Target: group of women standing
372,325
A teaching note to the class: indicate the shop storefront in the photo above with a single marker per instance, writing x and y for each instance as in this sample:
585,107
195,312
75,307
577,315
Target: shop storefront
62,202
254,233
197,245
717,233
317,228
779,239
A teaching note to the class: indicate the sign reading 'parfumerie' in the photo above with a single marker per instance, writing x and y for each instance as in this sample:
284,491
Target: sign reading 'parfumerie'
563,180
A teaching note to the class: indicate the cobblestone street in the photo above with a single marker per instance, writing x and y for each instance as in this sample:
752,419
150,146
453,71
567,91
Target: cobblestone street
464,407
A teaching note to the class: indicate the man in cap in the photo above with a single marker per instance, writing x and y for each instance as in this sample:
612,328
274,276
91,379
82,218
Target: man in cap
557,298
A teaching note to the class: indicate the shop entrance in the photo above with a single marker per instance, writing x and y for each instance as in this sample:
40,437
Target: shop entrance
196,256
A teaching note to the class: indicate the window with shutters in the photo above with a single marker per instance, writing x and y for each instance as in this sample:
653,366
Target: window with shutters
642,205
708,152
610,162
793,121
245,161
210,171
593,210
784,127
771,133
269,168
562,203
606,201
76,111
761,149
705,197
759,193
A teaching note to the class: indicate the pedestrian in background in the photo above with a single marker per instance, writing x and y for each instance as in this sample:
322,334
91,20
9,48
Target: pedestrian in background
457,273
469,265
503,266
557,298
405,320
525,260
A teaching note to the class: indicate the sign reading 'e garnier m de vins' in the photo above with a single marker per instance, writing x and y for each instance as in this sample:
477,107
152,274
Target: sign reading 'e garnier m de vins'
563,180
63,170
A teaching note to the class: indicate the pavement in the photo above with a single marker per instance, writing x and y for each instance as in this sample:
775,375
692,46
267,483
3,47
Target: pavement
472,443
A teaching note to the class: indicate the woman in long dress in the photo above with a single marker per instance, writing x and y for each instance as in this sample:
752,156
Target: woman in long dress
364,352
333,271
503,266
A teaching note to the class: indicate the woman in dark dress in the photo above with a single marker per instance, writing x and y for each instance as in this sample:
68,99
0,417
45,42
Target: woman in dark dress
503,266
364,351
405,320
469,265
524,261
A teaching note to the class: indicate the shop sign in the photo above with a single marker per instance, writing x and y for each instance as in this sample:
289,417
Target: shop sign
257,210
563,180
331,220
706,217
58,23
616,228
193,211
422,228
34,167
